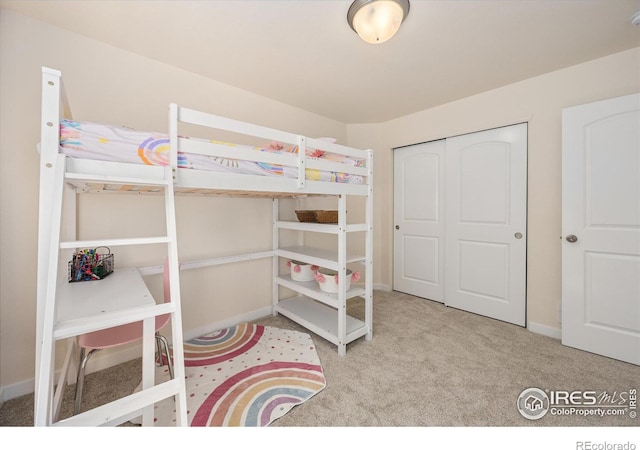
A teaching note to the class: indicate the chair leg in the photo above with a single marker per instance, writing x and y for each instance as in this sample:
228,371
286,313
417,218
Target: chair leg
158,350
84,357
162,341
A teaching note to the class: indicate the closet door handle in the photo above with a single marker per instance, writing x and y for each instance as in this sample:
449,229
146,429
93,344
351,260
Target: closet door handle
397,227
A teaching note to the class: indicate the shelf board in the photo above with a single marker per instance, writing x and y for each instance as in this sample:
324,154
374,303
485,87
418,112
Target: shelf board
312,289
331,228
320,319
319,257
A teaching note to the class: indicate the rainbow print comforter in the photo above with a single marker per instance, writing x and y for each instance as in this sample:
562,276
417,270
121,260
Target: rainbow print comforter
96,141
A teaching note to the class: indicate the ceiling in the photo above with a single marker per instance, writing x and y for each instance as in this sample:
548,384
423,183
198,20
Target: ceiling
303,53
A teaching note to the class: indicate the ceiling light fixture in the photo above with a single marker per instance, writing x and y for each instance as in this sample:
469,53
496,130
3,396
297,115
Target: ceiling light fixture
376,21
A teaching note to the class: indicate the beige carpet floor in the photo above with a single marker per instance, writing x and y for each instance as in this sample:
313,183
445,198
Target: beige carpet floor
427,365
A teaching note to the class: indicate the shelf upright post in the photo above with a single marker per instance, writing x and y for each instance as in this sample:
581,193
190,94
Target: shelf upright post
369,250
342,275
275,212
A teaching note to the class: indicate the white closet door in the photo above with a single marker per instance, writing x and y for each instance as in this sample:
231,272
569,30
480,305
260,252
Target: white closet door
601,228
486,210
419,220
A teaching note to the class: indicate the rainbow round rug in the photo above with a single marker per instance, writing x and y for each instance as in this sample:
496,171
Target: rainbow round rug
247,375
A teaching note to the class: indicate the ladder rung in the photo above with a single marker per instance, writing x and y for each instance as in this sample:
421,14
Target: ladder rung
123,409
116,180
115,242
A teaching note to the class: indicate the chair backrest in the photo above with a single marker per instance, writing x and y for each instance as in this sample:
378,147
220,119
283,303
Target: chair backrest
166,283
130,332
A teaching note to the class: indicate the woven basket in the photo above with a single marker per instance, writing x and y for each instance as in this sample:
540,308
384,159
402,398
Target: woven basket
327,216
306,215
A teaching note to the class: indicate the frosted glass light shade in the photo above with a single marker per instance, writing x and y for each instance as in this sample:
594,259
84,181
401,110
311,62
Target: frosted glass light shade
376,21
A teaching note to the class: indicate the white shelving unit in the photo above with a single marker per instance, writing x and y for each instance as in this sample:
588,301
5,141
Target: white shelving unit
323,313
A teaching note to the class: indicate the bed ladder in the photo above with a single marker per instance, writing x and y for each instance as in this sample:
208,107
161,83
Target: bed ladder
55,293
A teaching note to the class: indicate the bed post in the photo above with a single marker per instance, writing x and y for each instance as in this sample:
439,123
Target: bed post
49,142
174,116
302,161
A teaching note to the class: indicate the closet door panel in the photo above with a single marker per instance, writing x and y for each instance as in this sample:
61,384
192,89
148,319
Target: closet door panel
419,220
483,269
486,223
484,183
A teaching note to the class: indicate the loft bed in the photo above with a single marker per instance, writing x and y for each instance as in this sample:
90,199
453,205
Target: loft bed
94,158
285,167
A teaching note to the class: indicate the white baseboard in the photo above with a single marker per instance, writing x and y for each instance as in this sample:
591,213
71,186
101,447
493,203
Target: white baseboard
545,330
381,287
248,317
16,390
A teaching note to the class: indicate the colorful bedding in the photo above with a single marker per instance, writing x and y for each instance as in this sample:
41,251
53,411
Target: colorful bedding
119,144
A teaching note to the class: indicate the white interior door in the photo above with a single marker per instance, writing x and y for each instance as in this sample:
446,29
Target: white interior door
486,214
419,220
601,228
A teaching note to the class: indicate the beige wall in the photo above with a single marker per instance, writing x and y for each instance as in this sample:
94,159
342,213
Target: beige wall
538,101
109,85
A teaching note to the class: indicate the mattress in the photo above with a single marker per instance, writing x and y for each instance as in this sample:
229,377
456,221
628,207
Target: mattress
97,141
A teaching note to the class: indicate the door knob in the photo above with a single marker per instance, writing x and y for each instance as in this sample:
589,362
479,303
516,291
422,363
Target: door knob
518,235
572,238
397,227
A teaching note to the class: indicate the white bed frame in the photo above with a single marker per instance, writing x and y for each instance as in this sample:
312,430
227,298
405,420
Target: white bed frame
62,177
